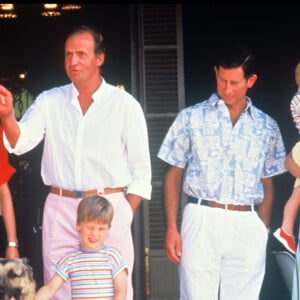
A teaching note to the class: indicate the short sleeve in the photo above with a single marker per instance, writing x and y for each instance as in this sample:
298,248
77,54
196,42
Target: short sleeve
116,261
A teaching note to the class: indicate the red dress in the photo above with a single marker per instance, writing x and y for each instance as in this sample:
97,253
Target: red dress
6,170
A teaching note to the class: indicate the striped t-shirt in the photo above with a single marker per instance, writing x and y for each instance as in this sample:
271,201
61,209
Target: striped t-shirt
91,273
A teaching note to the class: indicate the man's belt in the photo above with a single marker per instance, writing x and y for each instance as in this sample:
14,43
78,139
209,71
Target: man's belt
216,204
81,194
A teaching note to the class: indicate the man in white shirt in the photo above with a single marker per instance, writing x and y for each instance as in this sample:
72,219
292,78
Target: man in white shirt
95,142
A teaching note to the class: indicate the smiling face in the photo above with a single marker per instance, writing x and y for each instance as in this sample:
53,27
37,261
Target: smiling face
92,234
81,63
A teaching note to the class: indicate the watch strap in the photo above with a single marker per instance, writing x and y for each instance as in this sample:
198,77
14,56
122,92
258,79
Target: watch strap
13,244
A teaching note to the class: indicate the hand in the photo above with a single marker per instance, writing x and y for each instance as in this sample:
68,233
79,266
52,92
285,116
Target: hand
6,103
173,246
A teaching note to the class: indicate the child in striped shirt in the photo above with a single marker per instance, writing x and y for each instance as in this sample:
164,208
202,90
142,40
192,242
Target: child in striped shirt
95,271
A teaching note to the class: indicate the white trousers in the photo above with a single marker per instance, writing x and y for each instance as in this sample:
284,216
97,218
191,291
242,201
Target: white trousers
223,254
60,235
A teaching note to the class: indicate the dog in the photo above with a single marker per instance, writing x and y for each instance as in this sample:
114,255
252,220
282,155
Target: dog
16,279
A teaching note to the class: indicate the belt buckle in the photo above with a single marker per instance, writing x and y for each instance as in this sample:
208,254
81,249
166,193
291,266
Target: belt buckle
101,191
226,206
78,194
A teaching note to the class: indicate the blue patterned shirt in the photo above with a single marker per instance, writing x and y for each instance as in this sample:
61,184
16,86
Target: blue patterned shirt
224,163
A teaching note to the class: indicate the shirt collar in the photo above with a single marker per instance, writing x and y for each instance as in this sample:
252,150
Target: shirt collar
214,100
95,95
99,91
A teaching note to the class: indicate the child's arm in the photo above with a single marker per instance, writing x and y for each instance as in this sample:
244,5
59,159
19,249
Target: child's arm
47,291
120,285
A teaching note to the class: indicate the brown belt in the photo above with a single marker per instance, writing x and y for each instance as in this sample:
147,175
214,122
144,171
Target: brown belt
215,204
81,194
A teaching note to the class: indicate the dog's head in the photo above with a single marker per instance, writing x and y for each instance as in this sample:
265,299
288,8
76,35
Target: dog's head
16,279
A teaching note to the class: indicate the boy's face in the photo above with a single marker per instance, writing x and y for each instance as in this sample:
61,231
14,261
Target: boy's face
92,234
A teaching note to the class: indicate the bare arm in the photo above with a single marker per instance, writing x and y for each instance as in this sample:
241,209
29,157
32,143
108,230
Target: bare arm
47,291
265,208
9,220
172,193
120,285
8,120
134,201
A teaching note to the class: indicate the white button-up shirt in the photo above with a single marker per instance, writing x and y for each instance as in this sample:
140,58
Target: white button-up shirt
106,147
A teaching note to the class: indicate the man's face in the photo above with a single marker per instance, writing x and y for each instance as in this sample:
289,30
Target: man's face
81,63
232,86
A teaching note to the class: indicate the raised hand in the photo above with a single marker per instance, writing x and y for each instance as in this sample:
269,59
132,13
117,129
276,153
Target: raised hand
6,103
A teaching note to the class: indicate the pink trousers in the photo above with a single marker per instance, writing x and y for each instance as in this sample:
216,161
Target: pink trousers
60,235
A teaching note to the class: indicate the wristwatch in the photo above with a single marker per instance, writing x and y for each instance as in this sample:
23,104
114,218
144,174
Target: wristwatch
13,244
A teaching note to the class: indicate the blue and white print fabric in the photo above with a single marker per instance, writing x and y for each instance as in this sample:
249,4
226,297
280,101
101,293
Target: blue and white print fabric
224,162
